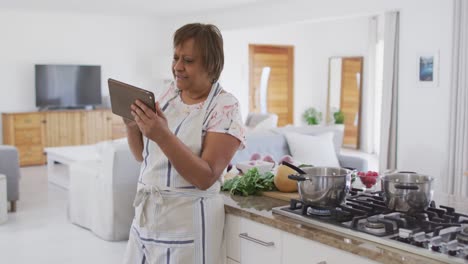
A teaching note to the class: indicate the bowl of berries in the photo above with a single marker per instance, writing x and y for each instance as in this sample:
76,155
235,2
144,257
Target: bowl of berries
368,179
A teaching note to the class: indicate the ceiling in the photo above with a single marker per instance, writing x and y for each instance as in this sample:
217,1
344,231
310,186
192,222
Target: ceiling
160,8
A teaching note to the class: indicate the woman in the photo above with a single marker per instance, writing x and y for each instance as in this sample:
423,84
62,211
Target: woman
184,147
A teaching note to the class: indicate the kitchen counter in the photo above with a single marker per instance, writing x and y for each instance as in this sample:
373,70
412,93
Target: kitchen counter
258,208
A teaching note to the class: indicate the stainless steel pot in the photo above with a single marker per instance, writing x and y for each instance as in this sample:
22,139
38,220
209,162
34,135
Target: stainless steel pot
407,191
323,186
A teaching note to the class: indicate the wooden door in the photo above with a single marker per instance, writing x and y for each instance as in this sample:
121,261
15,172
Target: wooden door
280,85
351,72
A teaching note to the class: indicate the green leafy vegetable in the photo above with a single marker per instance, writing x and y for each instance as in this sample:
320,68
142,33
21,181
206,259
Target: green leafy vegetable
250,183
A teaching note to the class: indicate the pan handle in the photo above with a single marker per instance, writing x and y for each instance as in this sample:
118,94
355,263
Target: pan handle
297,177
406,187
350,168
299,170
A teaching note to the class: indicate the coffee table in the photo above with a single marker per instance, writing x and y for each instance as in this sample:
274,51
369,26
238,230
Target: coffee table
58,174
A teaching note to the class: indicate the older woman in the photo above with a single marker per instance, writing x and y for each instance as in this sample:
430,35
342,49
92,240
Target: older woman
184,147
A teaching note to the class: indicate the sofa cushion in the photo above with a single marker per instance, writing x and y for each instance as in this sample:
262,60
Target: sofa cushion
338,131
263,142
315,150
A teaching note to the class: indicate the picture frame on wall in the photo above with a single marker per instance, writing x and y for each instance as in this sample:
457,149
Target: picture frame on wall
428,69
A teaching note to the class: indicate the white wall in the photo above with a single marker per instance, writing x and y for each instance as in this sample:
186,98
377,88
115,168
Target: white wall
314,44
126,48
425,25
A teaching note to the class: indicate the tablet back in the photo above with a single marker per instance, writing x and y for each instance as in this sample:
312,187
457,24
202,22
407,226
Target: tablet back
123,95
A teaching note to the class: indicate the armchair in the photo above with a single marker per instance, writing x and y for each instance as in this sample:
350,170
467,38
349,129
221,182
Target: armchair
9,166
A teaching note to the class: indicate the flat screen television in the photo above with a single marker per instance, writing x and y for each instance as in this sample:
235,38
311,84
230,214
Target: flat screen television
67,86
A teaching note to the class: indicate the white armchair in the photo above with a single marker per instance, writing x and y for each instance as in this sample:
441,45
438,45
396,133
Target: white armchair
258,121
101,192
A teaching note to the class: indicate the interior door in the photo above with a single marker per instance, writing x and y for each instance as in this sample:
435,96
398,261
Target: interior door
280,59
351,72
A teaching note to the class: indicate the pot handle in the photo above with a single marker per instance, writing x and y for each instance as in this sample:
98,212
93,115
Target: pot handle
300,171
406,187
410,172
297,177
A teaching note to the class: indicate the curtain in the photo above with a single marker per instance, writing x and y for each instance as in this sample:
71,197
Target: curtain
388,139
457,163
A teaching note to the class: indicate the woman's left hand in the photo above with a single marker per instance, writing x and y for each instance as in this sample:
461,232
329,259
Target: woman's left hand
152,125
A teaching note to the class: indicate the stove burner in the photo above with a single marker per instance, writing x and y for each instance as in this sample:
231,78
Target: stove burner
373,223
318,211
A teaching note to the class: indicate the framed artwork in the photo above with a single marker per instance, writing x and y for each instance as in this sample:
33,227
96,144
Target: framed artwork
428,69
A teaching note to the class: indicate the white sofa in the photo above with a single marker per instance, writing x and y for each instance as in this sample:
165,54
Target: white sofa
101,192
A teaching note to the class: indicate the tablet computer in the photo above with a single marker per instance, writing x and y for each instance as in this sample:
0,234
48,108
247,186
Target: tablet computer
123,95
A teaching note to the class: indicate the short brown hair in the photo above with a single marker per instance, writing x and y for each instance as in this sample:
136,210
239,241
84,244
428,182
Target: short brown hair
208,41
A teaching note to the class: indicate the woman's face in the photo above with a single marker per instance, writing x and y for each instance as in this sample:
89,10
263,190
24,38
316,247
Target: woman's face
189,73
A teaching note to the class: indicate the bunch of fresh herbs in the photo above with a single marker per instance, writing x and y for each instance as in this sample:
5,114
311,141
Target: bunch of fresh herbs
252,182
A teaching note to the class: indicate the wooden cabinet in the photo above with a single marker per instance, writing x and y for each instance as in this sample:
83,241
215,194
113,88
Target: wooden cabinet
26,131
31,132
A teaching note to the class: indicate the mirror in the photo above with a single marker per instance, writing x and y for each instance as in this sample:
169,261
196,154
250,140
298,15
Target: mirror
344,93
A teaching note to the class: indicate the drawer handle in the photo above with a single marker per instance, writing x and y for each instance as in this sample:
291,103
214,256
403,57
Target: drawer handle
247,237
322,262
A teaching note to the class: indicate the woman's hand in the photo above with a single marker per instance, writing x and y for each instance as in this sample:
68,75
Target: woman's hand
129,123
152,125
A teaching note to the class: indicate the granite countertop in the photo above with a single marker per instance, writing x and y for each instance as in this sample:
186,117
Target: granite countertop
258,208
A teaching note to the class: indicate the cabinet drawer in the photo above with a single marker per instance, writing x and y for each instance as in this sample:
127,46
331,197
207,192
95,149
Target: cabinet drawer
31,155
300,250
28,120
259,243
28,136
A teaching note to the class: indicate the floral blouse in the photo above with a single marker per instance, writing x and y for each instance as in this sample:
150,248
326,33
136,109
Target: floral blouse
223,115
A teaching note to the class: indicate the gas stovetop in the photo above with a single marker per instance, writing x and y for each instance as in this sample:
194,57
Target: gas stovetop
438,230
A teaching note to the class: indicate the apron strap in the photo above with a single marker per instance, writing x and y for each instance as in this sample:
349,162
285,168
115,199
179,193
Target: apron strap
145,193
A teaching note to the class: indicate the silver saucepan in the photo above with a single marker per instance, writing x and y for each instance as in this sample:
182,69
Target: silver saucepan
323,186
407,191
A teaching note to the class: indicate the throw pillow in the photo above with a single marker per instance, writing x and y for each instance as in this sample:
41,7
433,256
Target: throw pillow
316,150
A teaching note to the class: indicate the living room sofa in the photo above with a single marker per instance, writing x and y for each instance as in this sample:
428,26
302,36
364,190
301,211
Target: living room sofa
102,192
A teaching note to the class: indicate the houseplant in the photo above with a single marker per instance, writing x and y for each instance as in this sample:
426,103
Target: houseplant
312,116
339,117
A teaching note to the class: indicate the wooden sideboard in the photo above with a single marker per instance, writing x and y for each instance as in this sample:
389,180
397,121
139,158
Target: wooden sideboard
31,132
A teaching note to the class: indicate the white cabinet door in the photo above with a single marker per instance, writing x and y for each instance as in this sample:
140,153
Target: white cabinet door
299,250
259,243
231,232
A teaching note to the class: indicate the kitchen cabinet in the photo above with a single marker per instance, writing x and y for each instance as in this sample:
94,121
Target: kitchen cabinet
232,230
249,242
259,243
300,250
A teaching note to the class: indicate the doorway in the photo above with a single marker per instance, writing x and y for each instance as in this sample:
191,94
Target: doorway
279,88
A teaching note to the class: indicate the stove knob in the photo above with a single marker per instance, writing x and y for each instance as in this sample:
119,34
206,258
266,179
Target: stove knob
435,242
452,247
419,239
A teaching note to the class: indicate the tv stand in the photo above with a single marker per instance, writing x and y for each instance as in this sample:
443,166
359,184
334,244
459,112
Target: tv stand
31,132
